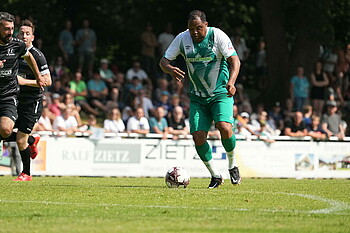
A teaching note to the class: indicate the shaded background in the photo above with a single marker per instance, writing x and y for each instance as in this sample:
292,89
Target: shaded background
293,30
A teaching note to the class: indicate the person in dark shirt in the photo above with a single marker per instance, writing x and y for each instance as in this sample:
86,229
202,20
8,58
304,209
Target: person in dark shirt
176,123
11,50
296,126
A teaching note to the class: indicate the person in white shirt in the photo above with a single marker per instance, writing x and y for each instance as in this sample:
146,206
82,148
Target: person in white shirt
137,71
114,123
165,38
66,122
138,123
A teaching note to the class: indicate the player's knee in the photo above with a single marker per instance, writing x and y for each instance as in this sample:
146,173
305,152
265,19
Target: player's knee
224,126
199,138
6,132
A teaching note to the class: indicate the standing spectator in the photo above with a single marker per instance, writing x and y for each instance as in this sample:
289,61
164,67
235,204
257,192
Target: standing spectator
331,121
66,44
149,44
98,92
330,62
319,83
78,89
261,66
66,122
295,127
58,69
176,122
158,124
243,54
86,42
165,38
114,123
138,123
299,89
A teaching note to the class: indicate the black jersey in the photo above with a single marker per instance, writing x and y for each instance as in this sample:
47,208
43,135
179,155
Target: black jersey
8,73
28,93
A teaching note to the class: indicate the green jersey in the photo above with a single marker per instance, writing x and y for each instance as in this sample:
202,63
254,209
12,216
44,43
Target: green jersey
208,70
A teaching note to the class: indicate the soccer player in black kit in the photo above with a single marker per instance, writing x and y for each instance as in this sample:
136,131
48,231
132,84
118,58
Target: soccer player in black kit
11,50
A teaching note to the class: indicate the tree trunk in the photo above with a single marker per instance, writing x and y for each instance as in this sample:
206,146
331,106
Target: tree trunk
277,52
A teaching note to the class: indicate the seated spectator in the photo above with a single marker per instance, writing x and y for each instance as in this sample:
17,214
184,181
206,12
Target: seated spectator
315,129
98,92
244,126
56,105
164,102
57,88
264,135
58,69
143,100
68,101
134,87
66,122
106,74
262,119
307,113
158,124
276,119
138,123
331,121
295,127
78,89
288,110
44,123
137,71
114,123
163,86
176,123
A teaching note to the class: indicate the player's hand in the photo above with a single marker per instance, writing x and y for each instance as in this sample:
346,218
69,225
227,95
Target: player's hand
177,73
2,62
231,89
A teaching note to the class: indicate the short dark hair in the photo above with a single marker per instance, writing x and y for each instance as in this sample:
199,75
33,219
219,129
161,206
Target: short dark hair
7,17
197,14
28,23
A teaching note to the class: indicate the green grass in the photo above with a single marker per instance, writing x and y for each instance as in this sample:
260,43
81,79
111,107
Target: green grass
87,204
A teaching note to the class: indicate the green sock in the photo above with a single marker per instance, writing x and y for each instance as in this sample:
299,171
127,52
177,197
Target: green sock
204,152
229,144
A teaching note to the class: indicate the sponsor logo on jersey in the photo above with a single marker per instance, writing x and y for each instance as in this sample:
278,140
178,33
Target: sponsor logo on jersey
10,52
199,59
188,47
5,72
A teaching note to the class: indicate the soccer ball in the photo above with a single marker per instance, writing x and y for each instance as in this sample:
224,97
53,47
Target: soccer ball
177,176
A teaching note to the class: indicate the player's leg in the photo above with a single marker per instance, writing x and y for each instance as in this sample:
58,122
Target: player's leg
222,110
8,117
22,143
200,122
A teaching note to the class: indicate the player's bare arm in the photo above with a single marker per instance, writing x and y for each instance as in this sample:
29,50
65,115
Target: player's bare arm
234,70
33,65
26,82
2,62
174,71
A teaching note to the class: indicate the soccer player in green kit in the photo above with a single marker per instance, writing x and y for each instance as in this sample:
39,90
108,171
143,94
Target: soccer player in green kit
212,65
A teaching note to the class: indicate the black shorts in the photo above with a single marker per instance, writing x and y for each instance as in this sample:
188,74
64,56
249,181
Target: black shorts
28,115
8,108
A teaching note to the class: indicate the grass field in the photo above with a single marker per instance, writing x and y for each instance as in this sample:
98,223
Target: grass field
87,204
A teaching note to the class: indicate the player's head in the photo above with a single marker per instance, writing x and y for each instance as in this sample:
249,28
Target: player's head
26,32
6,27
197,25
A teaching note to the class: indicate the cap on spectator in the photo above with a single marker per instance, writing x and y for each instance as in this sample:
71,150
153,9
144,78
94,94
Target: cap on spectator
175,96
104,61
55,96
165,93
277,104
331,103
245,115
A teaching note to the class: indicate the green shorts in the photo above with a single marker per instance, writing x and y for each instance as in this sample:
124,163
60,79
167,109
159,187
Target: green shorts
203,111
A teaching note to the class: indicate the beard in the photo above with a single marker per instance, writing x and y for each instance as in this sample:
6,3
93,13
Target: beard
6,39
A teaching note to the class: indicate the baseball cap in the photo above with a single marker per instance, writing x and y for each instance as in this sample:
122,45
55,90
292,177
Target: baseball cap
104,61
165,93
55,96
245,115
331,103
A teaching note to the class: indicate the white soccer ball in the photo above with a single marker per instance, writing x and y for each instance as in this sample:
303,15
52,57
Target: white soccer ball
176,177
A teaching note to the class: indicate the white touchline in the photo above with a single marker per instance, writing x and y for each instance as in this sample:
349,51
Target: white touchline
334,206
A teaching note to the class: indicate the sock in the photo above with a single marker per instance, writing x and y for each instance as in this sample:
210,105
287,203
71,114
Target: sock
212,169
231,159
229,145
25,155
204,152
30,140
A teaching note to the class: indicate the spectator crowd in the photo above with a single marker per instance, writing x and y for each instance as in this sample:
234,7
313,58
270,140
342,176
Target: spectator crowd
89,92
